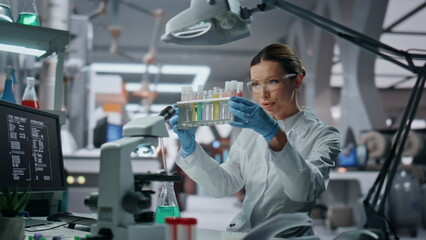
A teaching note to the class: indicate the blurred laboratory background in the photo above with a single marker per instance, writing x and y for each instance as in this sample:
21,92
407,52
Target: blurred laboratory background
105,64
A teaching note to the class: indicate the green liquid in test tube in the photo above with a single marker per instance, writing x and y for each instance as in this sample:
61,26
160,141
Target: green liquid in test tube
194,112
199,111
194,107
200,105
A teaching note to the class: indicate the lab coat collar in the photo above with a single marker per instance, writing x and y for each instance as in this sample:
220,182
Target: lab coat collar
297,121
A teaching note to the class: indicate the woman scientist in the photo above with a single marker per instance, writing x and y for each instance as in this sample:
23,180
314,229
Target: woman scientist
282,157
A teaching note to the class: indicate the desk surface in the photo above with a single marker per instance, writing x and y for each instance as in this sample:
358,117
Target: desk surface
70,234
365,178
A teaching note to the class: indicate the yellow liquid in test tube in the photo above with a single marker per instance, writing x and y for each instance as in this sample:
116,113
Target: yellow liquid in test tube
216,105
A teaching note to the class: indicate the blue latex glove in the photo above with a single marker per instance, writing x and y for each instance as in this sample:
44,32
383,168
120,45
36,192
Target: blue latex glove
252,115
186,137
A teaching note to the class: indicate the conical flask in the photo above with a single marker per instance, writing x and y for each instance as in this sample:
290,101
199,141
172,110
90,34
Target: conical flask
29,98
7,94
5,13
167,204
28,13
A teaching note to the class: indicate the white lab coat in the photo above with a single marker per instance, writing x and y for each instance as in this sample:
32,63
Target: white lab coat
275,182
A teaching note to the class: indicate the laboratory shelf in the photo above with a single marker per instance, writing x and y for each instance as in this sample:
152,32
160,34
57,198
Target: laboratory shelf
42,38
51,40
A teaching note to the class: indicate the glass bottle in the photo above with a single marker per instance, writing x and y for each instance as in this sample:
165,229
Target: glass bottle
28,14
5,13
167,204
29,98
8,87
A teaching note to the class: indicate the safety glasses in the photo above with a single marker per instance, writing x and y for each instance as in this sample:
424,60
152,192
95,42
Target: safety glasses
268,85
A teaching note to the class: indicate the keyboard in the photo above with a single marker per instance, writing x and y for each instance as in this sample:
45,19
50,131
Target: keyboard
31,222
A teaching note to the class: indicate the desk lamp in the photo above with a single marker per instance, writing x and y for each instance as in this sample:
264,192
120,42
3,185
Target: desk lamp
215,22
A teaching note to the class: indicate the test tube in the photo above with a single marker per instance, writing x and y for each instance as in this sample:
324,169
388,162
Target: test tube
205,106
216,106
186,109
194,107
240,86
225,109
233,88
190,108
182,109
200,105
210,107
221,105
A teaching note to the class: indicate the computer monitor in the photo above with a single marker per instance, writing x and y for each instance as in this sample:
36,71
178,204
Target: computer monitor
30,149
348,157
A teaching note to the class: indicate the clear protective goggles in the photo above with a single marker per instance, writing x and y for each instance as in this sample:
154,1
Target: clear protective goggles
269,85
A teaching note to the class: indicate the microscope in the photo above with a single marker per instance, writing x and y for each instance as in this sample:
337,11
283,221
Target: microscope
121,199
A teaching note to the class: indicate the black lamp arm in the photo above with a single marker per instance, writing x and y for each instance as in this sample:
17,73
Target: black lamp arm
417,92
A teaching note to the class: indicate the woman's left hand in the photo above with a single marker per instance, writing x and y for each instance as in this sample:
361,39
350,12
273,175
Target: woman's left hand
252,115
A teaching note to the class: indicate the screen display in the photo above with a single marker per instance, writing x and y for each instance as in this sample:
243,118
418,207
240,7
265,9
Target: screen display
348,157
30,149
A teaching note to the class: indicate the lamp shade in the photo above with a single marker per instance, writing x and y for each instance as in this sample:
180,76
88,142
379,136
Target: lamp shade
207,23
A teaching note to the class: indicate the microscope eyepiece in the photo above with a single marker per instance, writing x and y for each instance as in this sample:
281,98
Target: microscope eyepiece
167,112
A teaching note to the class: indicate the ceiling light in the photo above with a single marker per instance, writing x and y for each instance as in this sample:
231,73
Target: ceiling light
201,74
161,87
203,20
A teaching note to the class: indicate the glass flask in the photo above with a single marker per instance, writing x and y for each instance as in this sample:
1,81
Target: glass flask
5,13
28,14
7,94
167,204
29,98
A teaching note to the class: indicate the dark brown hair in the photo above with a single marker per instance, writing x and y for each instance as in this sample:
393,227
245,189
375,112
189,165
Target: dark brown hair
283,54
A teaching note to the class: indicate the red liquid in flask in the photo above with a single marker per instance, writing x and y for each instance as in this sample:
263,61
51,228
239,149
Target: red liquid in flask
29,98
31,104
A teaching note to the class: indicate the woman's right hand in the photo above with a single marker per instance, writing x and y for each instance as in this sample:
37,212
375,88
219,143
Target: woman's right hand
186,137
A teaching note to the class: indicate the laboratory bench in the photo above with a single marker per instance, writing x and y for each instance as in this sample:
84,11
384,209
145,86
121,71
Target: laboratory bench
66,233
72,234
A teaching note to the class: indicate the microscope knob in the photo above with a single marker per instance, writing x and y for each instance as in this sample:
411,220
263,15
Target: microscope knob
92,202
135,202
145,217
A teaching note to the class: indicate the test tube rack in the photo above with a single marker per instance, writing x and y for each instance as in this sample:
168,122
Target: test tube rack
204,112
